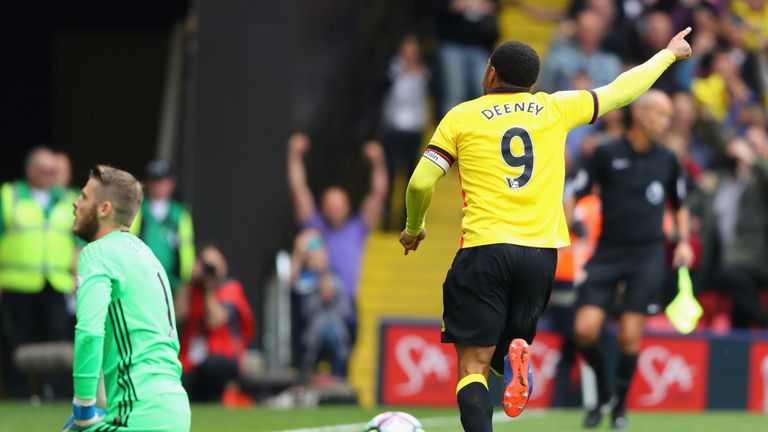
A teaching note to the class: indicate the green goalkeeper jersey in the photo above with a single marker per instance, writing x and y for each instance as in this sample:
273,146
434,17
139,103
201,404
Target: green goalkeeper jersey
125,324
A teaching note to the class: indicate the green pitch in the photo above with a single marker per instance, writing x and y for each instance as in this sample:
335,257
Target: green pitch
50,417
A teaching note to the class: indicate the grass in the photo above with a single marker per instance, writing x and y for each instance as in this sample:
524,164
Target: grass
50,417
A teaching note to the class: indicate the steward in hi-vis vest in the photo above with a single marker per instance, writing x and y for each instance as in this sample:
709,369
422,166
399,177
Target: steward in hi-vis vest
165,225
37,259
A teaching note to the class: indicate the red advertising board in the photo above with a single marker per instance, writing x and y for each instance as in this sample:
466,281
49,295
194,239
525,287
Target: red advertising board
671,375
416,369
758,377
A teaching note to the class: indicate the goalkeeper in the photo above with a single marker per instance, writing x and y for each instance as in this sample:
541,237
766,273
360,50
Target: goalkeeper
125,319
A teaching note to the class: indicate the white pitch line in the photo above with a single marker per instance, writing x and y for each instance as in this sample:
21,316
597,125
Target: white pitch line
498,417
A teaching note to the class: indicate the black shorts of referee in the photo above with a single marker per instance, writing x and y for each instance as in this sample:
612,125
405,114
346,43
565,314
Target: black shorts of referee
496,293
625,278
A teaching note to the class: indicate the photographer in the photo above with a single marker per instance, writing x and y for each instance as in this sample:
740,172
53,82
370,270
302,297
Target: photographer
216,324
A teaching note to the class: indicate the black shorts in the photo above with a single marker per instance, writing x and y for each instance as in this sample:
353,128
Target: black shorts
625,278
495,293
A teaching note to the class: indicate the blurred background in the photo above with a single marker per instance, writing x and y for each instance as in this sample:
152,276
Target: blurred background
275,140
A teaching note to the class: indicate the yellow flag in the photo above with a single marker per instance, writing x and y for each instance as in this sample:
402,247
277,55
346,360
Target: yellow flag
684,311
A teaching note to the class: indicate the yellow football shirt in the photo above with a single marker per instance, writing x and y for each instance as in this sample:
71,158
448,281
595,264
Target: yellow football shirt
510,150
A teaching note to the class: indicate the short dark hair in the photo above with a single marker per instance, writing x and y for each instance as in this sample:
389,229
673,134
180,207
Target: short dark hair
122,189
516,63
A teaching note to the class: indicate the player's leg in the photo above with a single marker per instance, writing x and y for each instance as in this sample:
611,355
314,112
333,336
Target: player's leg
474,313
529,278
472,391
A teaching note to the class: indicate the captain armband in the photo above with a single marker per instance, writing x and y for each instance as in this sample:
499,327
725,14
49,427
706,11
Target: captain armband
439,156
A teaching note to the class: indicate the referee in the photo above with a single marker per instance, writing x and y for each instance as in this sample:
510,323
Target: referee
637,178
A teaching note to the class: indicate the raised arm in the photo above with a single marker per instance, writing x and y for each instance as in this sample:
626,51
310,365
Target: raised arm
303,202
373,203
631,84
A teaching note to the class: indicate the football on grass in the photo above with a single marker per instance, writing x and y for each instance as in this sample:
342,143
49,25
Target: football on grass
394,421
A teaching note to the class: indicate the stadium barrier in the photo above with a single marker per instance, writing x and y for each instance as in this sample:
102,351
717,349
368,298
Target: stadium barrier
675,373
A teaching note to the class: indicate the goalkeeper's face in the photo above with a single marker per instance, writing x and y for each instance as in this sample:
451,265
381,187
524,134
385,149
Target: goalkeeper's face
86,215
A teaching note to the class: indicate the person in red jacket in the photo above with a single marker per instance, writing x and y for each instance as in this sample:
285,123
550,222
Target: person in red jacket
216,323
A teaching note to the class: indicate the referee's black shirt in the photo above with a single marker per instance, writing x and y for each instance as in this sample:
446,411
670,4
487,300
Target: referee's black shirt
634,188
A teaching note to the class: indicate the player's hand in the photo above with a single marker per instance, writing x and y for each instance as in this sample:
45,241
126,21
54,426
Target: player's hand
683,256
679,46
83,417
298,144
373,152
411,243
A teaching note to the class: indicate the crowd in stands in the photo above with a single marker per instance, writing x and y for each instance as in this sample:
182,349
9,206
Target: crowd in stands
718,131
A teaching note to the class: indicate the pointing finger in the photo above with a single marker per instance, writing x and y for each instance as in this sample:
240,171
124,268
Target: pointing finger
683,33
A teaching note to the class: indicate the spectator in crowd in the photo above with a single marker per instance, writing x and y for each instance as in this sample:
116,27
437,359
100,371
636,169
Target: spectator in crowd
755,14
323,307
620,34
405,113
466,33
165,225
37,253
580,55
722,91
731,205
743,57
344,232
654,31
216,324
692,136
